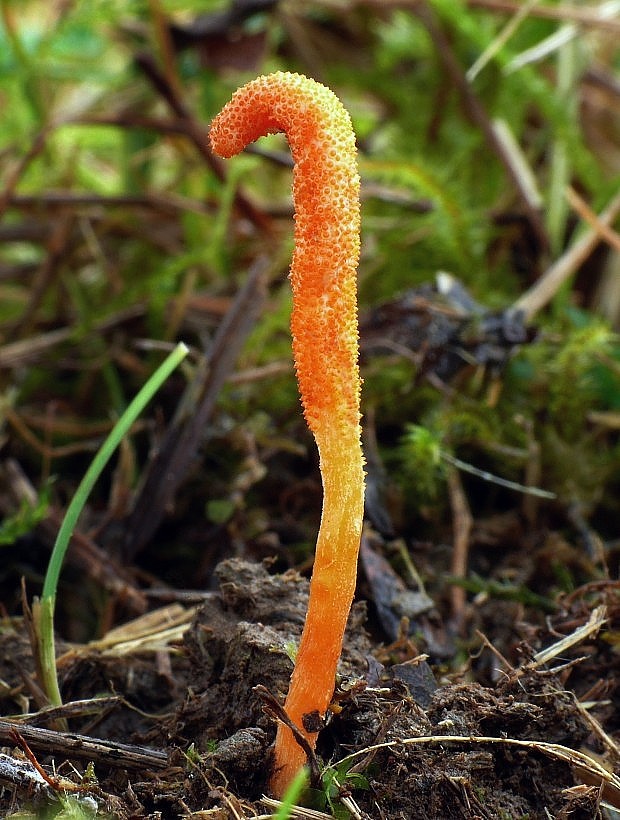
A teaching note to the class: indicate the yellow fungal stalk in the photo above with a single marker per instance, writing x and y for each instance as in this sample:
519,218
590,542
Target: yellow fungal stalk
324,329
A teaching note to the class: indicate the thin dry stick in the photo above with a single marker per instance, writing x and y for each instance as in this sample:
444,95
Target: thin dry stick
477,112
562,12
294,812
462,522
593,772
167,203
97,563
75,746
501,39
27,351
14,176
45,448
581,207
521,169
56,252
16,738
273,709
594,624
199,136
550,282
177,451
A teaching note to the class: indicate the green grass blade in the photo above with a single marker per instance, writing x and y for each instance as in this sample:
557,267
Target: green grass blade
45,619
292,794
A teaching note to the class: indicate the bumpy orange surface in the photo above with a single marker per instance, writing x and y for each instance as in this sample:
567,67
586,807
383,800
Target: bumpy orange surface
325,348
327,223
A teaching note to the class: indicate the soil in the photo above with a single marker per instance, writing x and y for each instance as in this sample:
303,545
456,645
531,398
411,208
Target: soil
167,713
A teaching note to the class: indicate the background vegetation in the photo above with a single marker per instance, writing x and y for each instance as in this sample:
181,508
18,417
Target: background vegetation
488,137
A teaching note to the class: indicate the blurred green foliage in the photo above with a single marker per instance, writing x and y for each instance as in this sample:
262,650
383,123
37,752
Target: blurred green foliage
435,197
25,519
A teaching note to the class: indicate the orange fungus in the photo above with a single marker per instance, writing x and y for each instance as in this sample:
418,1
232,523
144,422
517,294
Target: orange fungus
324,330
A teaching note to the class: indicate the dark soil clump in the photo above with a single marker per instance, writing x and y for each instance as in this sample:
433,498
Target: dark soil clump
403,743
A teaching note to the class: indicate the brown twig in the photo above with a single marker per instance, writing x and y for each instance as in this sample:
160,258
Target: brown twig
84,552
462,522
178,449
169,202
274,709
88,437
563,13
477,113
600,587
14,176
56,251
198,135
495,652
16,737
604,230
27,351
46,715
543,291
97,563
81,747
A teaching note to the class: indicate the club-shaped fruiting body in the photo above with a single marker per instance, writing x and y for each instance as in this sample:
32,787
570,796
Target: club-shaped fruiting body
324,330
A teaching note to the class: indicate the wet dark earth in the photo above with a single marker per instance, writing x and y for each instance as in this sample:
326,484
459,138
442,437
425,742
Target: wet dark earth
173,718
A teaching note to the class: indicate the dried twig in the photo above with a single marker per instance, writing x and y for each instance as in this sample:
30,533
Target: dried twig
294,812
552,280
169,203
81,747
594,624
178,450
589,769
581,207
10,184
56,251
462,522
274,709
26,351
562,12
477,113
198,135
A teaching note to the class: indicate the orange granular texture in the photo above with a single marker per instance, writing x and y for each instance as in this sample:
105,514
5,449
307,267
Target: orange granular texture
325,348
327,224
